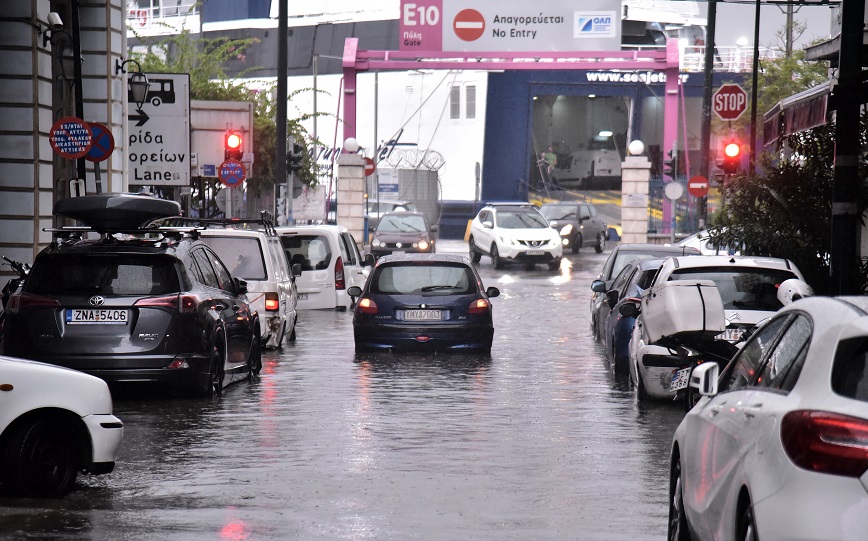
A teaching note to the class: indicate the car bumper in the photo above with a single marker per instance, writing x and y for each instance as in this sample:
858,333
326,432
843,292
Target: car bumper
106,433
441,337
656,366
180,371
531,255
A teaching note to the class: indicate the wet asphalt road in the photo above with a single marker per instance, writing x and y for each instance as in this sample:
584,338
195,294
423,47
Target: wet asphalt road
538,441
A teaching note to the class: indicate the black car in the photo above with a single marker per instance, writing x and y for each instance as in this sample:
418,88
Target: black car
403,232
423,302
134,303
577,223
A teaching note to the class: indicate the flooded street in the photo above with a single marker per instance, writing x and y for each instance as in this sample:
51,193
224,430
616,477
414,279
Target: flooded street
537,441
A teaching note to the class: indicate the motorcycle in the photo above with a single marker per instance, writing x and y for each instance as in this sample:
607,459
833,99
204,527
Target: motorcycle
22,269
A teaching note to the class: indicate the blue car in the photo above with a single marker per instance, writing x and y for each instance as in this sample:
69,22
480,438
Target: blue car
423,302
628,286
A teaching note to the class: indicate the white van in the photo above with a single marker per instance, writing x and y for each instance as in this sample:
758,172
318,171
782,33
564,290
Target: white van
330,263
257,258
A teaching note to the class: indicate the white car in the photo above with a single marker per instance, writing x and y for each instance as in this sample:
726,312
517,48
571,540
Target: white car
514,233
748,289
330,263
777,447
701,241
54,423
257,257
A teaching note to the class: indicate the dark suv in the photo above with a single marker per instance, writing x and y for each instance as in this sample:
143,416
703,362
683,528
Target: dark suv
578,224
134,304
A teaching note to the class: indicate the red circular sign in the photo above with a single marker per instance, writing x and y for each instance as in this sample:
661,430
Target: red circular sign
697,186
71,137
370,167
231,173
468,25
729,102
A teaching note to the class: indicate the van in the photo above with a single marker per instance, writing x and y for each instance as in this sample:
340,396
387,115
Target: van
257,257
330,262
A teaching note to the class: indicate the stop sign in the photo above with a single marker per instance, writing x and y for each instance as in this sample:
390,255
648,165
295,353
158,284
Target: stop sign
729,102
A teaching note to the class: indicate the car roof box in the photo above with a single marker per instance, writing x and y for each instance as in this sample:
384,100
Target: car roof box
116,211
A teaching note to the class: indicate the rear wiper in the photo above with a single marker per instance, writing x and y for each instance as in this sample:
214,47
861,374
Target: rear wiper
438,288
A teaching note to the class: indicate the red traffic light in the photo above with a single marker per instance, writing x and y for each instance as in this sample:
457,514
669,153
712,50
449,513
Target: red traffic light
232,143
731,158
732,150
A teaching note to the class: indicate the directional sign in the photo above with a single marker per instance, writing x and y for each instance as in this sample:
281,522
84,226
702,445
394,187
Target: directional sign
71,137
103,143
729,102
231,173
370,167
697,186
469,25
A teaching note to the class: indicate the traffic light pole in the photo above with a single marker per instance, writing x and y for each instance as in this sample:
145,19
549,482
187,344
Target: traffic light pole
280,120
705,137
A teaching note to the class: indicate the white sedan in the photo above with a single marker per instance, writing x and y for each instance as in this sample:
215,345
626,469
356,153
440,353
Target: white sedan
777,447
54,423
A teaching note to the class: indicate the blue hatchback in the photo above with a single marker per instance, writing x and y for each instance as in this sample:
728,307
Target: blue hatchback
423,302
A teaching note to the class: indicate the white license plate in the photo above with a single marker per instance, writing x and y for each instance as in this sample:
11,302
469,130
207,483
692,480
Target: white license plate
422,315
535,252
680,379
730,335
302,296
102,316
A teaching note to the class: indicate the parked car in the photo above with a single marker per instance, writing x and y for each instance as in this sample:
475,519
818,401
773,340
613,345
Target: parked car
618,258
423,302
701,241
137,304
54,423
514,233
330,262
403,232
777,447
748,290
375,209
578,224
258,258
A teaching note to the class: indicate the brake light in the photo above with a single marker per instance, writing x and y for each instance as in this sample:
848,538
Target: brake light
479,306
183,304
25,301
826,442
366,306
271,302
339,274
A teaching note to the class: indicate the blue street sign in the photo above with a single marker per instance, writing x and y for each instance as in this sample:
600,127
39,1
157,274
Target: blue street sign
209,170
231,173
103,143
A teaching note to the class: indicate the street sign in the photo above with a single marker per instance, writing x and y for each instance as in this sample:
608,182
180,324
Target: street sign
71,137
468,25
697,186
729,102
231,173
370,167
103,143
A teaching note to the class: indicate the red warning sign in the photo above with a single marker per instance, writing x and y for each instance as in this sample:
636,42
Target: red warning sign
469,24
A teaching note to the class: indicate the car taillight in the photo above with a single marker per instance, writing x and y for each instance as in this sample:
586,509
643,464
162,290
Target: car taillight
25,301
184,304
271,302
479,306
826,442
340,283
366,306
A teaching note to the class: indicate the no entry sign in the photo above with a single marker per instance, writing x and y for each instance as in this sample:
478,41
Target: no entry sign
231,173
697,186
370,167
469,25
71,137
729,102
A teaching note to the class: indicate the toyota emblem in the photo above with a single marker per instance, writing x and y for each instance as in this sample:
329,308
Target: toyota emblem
96,300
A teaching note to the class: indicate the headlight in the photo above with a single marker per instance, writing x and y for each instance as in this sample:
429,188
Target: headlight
567,229
376,243
423,244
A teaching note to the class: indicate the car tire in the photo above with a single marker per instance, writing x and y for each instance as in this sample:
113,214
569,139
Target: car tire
577,244
678,529
641,392
496,260
42,459
601,243
746,529
475,254
554,265
279,343
292,334
213,386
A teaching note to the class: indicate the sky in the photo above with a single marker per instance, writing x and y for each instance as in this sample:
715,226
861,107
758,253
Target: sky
736,20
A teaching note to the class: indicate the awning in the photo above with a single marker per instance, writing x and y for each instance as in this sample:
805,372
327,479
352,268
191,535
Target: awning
799,112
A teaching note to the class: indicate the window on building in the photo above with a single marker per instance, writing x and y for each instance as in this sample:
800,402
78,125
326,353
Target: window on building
470,101
455,102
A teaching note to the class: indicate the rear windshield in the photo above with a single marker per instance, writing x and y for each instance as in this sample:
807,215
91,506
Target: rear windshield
103,274
241,255
310,251
424,279
402,224
509,219
746,288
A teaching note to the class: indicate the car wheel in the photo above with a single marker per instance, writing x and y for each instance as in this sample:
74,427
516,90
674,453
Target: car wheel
475,254
577,244
42,459
496,260
746,530
279,344
292,333
601,243
555,265
641,392
254,359
677,519
213,386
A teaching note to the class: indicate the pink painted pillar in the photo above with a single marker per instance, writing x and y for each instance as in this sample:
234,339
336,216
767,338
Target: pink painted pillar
670,120
351,47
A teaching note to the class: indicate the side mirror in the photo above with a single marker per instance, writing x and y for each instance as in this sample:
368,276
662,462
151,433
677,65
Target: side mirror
369,260
598,286
354,291
629,309
435,228
612,297
487,225
240,286
704,378
296,269
492,292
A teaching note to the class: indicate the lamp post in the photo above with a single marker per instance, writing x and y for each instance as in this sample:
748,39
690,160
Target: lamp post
138,82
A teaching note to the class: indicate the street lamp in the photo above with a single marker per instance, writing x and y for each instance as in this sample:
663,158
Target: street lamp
138,82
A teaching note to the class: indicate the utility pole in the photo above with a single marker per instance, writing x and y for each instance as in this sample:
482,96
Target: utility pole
280,121
705,136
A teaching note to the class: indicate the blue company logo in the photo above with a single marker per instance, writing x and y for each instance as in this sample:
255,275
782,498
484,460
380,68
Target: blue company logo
597,24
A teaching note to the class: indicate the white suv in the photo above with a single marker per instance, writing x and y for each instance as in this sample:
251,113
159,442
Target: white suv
514,233
330,263
257,257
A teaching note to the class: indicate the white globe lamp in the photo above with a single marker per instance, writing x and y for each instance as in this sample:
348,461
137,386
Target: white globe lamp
636,147
351,145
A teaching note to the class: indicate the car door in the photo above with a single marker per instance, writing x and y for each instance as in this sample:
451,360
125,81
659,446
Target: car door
354,271
590,224
483,236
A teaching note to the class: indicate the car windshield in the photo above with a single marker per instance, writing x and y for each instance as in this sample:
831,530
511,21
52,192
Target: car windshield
309,251
402,224
438,278
241,255
520,219
745,288
104,274
558,212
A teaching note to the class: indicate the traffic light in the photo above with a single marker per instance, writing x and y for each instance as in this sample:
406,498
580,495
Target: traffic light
670,165
731,158
295,157
233,146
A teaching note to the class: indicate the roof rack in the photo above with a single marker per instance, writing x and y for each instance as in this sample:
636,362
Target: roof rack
266,221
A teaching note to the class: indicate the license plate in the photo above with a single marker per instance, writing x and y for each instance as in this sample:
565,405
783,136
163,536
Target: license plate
103,316
680,379
535,252
422,315
730,335
302,296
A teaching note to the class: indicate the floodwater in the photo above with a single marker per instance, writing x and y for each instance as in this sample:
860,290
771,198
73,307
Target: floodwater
537,441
